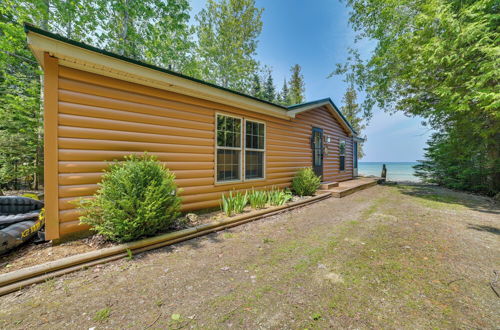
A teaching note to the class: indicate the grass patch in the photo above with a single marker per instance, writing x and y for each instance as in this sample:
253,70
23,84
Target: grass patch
102,314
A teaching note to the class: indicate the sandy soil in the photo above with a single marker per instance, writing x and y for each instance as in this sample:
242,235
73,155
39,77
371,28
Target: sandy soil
392,257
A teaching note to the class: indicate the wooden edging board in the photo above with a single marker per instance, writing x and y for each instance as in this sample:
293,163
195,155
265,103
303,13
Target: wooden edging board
18,279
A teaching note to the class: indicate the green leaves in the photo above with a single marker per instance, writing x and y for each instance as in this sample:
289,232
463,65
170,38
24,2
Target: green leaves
438,59
136,198
305,182
227,33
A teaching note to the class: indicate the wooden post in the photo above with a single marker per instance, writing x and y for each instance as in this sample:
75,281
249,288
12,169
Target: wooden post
51,109
384,172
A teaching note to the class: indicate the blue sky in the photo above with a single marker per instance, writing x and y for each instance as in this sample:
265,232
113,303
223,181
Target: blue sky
316,35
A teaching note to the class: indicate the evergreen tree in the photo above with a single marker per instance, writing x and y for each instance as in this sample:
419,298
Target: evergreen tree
285,94
269,93
256,90
297,88
354,115
227,33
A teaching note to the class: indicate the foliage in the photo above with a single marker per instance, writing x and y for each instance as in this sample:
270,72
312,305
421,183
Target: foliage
278,197
257,199
353,114
437,59
136,198
284,95
256,89
269,93
227,34
305,182
154,31
21,119
234,204
297,87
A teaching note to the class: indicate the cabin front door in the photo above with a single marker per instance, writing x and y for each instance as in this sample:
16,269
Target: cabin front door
317,147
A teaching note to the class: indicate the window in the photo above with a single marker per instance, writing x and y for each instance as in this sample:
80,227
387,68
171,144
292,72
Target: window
231,148
228,148
254,150
342,155
355,154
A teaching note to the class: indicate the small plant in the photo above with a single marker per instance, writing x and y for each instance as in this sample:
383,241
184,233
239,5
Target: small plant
130,256
257,199
234,204
102,315
278,197
305,182
136,198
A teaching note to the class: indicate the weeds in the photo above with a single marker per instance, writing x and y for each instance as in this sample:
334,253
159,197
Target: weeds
102,315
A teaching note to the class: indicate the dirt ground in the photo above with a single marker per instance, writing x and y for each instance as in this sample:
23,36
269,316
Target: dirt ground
32,253
395,257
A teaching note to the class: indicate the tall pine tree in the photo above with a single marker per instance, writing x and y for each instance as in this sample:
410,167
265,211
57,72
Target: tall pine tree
353,113
297,87
269,93
284,96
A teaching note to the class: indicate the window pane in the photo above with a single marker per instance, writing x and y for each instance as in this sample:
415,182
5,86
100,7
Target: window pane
228,131
254,164
254,135
228,165
342,163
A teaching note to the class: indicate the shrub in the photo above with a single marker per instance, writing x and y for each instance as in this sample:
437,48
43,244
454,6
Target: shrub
278,197
257,199
234,204
136,198
305,182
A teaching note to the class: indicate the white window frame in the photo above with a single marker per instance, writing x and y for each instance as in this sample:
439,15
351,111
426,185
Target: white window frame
240,149
252,149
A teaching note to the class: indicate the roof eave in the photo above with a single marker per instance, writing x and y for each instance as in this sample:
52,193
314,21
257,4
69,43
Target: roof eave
87,58
299,108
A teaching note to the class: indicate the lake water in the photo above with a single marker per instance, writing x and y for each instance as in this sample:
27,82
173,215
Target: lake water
396,171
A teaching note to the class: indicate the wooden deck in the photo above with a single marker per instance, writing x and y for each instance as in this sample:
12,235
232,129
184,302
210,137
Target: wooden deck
349,187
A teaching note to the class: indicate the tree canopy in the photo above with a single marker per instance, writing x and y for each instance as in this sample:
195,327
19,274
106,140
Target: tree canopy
438,59
227,34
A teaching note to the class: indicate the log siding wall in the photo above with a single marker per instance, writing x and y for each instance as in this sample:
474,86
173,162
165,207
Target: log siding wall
100,119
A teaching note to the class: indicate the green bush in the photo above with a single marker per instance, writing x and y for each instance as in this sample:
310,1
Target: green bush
136,198
278,197
234,204
305,182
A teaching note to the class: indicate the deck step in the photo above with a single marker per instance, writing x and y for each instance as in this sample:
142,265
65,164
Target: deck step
340,192
328,185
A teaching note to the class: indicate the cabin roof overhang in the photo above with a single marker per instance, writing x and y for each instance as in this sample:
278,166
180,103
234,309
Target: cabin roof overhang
327,103
84,57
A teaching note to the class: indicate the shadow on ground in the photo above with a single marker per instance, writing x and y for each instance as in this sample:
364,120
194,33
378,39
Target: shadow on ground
488,229
448,196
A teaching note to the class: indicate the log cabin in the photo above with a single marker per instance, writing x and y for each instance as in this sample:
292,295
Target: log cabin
100,107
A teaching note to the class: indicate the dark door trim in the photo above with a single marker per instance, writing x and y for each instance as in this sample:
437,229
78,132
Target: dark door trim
317,150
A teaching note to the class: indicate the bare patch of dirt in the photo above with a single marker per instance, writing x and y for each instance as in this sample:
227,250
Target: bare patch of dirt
386,257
